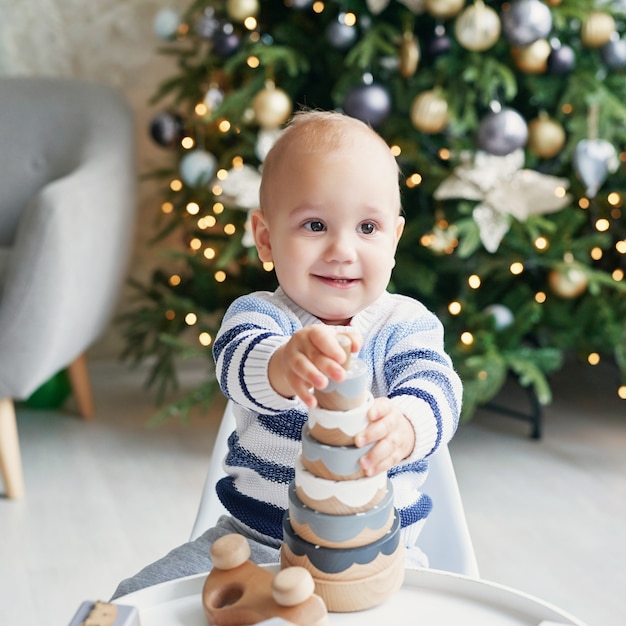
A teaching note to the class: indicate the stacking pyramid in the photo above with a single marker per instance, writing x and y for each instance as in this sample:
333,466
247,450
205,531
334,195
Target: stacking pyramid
341,525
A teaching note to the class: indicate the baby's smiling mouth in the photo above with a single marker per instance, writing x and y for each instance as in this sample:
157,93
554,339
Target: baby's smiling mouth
340,281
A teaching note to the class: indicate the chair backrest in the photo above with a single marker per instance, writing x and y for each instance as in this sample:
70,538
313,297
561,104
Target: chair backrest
445,537
67,214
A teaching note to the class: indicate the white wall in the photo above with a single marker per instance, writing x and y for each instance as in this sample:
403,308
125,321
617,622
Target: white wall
110,41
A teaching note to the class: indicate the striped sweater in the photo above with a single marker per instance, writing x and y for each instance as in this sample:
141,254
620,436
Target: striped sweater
403,349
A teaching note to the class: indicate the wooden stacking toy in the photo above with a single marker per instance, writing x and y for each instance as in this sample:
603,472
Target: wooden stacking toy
238,592
341,525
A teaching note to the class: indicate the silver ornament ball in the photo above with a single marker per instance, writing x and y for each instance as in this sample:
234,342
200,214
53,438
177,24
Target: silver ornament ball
502,132
614,54
369,103
198,167
502,315
525,21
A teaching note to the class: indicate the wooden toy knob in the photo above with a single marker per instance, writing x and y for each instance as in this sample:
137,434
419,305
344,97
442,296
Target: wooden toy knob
292,586
230,551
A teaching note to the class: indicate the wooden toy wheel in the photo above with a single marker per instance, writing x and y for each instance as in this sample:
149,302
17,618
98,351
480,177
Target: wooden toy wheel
230,551
292,586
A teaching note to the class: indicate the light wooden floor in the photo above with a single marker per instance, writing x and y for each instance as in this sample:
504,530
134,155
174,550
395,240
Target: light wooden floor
106,497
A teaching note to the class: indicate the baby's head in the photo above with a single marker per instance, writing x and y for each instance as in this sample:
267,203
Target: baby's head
329,215
327,131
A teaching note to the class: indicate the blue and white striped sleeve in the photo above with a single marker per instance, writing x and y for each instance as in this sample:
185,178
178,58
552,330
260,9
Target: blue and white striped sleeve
252,329
422,382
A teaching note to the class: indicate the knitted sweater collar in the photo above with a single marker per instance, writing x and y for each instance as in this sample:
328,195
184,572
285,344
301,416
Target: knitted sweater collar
362,321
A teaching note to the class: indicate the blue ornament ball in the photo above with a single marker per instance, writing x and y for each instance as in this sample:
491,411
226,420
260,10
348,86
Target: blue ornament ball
166,23
502,315
167,128
198,167
561,60
226,41
369,103
614,54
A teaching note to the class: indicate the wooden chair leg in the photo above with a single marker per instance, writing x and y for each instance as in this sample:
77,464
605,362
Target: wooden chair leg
10,457
81,386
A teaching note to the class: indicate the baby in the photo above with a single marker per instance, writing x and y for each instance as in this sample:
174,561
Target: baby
329,221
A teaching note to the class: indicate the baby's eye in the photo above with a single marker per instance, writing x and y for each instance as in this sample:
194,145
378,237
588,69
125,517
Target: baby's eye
315,226
367,228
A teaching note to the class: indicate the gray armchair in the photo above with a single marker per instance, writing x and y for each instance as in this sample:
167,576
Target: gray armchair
67,209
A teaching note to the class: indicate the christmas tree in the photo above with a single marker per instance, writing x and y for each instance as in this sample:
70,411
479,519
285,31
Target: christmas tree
507,120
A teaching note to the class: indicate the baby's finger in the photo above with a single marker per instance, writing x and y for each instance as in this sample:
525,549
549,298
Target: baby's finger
379,459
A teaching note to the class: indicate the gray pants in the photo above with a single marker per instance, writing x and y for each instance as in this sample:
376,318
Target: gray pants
193,557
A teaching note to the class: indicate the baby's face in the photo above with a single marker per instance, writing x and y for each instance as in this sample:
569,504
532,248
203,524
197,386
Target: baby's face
331,225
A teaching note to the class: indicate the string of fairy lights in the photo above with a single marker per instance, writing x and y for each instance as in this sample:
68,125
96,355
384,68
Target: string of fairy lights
443,237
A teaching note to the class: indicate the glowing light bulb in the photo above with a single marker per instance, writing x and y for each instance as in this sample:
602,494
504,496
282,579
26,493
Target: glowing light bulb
474,281
467,338
593,358
602,225
455,308
414,180
205,339
191,319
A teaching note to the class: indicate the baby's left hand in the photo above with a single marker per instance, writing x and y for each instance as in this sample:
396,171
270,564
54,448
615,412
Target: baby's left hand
393,432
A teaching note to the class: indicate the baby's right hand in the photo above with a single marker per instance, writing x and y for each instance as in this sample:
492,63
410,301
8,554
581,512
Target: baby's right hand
306,362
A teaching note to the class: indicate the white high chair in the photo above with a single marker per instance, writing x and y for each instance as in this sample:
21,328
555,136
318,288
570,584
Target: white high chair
445,537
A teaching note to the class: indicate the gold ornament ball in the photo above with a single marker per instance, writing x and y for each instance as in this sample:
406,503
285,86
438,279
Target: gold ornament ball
546,137
568,280
409,55
429,112
478,27
444,9
239,10
597,29
272,107
533,59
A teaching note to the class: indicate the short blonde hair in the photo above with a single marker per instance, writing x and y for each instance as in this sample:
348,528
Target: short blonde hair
314,131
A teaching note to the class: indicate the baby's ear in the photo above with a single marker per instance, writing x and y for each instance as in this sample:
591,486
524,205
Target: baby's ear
261,234
399,227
